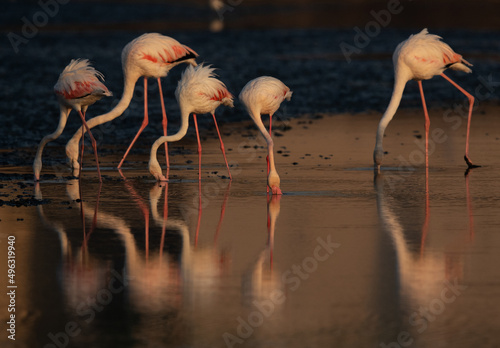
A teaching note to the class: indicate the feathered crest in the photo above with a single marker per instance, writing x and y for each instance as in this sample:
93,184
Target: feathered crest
204,80
78,71
432,43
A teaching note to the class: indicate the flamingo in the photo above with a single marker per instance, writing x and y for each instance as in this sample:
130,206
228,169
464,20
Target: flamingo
149,55
421,57
78,87
198,92
264,95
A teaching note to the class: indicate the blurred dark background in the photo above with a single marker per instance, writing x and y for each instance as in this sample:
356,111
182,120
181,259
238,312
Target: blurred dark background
298,41
250,14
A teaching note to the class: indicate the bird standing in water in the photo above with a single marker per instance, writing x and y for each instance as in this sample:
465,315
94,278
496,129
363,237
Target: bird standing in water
198,92
263,96
421,57
78,87
149,55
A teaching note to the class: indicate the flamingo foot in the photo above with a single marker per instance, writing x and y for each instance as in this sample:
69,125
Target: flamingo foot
469,163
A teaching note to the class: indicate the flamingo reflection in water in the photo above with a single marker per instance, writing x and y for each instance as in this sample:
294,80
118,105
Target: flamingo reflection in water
261,282
424,276
83,274
199,268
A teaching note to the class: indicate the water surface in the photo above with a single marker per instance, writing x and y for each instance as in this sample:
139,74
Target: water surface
345,258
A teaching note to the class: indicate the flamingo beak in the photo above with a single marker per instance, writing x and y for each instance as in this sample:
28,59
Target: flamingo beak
276,190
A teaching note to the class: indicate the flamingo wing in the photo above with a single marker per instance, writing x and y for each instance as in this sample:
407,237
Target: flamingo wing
79,79
158,48
427,55
84,89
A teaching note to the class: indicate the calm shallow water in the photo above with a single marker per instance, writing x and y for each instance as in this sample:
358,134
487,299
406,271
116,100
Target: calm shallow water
344,259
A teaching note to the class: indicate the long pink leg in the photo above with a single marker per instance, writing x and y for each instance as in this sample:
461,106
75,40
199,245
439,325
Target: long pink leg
426,125
144,122
164,121
222,147
270,133
199,147
81,155
94,144
425,227
471,105
82,216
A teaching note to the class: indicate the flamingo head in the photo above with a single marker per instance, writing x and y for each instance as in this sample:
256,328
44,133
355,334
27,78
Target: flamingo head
155,170
273,181
72,153
276,190
37,167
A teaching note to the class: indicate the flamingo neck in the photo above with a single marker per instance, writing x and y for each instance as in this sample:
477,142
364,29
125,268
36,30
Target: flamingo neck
270,144
128,93
171,138
63,117
397,94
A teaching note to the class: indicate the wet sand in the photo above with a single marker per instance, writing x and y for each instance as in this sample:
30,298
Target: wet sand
343,259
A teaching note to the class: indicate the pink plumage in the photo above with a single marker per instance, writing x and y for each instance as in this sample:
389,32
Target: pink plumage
150,55
79,86
263,96
79,79
198,92
421,57
153,55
